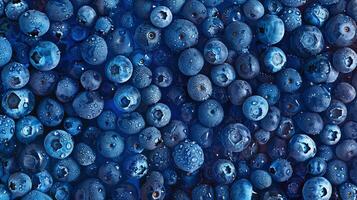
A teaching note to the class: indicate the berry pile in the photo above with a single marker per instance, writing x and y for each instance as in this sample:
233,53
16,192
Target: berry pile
178,99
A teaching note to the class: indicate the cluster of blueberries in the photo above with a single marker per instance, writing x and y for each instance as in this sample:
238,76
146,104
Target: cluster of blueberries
178,99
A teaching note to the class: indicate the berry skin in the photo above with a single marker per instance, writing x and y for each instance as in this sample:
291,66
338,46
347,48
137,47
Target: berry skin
6,51
34,23
188,156
317,188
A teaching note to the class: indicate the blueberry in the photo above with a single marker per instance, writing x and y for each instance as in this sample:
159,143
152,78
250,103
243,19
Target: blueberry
110,144
310,123
107,7
253,9
104,25
255,108
241,189
88,104
336,113
317,69
6,51
94,50
91,80
135,166
238,41
125,191
147,37
174,6
317,166
173,133
224,171
223,75
190,62
302,147
28,129
161,16
317,188
235,137
317,98
181,34
212,27
203,191
107,120
50,112
330,135
340,30
33,158
110,173
307,40
160,158
270,29
5,193
58,144
261,179
42,181
66,89
7,127
15,75
247,66
150,138
120,41
45,56
210,113
350,129
141,77
84,154
215,52
59,10
90,188
34,23
274,59
344,60
18,103
262,136
346,149
316,15
199,87
153,187
194,10
281,170
158,115
188,156
162,76
271,121
273,6
14,9
19,184
86,15
289,80
337,172
131,123
119,69
35,194
351,9
292,18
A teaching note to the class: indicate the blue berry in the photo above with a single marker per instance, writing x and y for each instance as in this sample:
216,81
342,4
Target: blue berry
270,29
110,144
45,56
235,137
94,50
34,23
119,69
58,144
59,10
188,156
255,108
